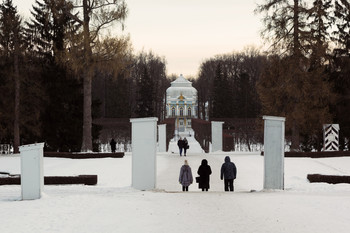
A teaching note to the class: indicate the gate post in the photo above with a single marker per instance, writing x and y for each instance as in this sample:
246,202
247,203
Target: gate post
274,152
216,136
162,138
32,175
144,147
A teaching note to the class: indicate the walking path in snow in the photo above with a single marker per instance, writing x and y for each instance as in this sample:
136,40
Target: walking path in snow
195,147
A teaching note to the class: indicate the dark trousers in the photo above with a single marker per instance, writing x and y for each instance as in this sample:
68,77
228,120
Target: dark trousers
185,188
180,148
228,184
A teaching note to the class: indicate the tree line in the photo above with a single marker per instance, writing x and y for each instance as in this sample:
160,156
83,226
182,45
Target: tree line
226,85
304,75
62,68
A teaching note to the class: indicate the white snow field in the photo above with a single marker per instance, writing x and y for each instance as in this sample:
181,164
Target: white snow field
114,206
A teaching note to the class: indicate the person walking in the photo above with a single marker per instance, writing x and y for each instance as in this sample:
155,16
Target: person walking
204,172
185,177
185,143
180,144
113,145
228,172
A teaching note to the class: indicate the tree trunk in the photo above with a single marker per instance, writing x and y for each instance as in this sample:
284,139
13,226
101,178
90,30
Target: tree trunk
16,140
87,117
297,59
295,137
16,134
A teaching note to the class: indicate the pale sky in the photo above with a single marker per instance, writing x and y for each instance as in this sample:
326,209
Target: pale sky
186,32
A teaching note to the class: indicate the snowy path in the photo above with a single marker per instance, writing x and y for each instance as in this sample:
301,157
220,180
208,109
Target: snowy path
169,168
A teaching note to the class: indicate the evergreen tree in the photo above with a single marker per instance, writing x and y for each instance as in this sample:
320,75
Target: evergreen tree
150,67
11,41
286,21
45,33
321,22
222,98
340,73
145,94
240,72
245,97
204,85
116,94
341,70
342,20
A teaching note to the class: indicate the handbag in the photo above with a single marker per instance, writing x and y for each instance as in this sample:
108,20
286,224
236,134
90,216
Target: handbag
198,179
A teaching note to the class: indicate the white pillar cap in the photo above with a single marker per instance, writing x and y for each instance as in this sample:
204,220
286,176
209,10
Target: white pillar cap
274,118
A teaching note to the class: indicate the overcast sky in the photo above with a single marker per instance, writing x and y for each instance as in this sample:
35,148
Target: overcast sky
186,32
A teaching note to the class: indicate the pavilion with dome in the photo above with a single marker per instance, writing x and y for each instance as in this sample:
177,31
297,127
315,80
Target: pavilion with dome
181,103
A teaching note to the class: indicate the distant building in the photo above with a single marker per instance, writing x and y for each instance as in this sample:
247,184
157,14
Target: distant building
181,103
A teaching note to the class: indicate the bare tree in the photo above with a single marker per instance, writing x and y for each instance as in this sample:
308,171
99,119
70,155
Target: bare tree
92,16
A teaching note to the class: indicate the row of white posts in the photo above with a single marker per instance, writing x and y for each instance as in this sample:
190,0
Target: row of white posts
144,149
144,146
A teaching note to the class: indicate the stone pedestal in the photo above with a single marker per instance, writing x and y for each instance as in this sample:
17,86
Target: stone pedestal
273,152
162,138
144,147
216,136
32,174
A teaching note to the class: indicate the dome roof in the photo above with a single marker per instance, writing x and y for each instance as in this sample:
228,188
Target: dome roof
181,86
181,82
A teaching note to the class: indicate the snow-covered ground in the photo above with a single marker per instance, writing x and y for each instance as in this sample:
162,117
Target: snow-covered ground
113,206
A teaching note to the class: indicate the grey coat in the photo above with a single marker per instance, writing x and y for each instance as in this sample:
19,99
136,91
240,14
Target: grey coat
185,177
228,169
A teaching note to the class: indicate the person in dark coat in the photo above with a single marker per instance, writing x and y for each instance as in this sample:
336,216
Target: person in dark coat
113,145
185,144
180,144
185,177
204,171
228,172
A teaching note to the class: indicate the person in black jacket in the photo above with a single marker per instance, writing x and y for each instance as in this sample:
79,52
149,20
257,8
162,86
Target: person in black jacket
228,172
204,171
180,144
185,145
113,145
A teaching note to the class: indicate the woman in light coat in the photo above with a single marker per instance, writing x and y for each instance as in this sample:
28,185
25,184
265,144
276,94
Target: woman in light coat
185,177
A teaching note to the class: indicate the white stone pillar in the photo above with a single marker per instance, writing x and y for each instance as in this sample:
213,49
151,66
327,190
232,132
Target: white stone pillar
216,135
273,152
162,138
32,172
144,147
